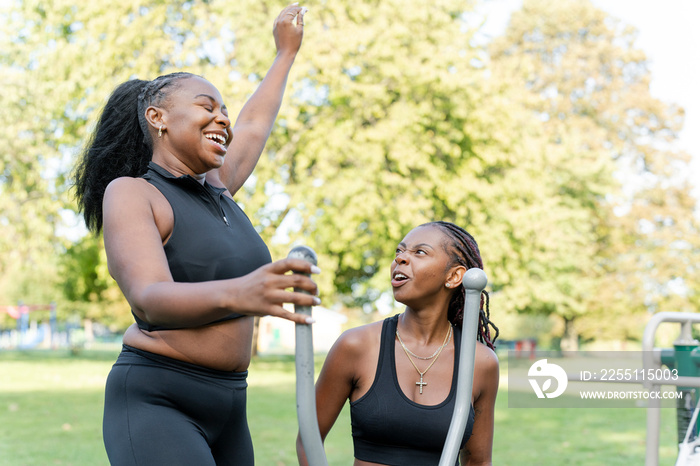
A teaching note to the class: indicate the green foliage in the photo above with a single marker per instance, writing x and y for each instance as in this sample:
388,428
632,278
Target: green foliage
589,128
88,287
381,134
545,144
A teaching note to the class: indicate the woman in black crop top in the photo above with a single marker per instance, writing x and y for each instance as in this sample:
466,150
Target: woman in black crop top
158,178
400,374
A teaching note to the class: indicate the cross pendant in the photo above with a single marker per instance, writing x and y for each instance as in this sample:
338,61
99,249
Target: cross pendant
421,384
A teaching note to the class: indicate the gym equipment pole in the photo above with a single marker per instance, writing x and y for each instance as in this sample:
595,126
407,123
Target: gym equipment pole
474,282
304,360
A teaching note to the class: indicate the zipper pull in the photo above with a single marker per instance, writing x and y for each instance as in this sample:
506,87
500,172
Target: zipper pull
226,221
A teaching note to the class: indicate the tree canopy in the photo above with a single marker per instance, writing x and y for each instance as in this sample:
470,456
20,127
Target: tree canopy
546,144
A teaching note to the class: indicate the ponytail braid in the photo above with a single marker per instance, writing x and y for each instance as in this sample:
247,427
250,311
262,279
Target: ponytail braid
464,251
121,144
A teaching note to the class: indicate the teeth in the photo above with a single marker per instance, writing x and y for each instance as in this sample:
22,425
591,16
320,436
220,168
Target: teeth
216,137
400,276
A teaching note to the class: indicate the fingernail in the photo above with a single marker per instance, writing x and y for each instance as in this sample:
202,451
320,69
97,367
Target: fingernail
310,320
317,300
315,269
304,10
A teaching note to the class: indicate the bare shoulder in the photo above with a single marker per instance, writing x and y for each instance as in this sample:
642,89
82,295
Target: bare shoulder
135,199
353,359
356,341
486,357
126,198
486,366
127,187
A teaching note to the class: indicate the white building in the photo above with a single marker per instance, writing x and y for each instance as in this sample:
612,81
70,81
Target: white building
277,336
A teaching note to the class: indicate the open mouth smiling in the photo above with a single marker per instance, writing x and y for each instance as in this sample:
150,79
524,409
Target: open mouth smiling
217,138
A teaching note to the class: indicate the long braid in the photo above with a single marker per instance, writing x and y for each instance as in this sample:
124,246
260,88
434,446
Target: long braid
465,252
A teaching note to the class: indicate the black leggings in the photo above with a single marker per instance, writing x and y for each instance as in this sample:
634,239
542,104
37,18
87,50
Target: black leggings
161,411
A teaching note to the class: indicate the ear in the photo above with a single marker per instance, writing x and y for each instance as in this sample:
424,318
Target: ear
454,276
155,118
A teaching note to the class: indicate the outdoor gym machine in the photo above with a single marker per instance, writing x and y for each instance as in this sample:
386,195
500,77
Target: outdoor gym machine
304,361
474,282
685,359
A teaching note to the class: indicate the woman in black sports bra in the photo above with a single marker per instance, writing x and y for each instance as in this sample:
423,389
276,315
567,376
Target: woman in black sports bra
400,374
158,177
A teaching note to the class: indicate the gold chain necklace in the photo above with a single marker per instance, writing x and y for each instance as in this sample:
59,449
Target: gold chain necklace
449,338
420,383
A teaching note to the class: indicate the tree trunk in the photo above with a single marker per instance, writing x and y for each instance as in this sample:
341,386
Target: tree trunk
256,330
569,340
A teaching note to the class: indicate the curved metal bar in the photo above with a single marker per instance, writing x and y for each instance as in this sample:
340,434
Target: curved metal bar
651,359
304,361
474,282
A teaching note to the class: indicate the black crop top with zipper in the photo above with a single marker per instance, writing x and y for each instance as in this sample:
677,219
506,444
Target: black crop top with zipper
212,238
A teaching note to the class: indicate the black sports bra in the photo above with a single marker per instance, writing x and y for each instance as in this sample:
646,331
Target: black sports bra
389,428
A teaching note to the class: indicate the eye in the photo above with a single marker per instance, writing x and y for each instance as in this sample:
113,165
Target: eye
398,251
421,251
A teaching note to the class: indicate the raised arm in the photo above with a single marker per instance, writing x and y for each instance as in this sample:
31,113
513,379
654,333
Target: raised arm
254,123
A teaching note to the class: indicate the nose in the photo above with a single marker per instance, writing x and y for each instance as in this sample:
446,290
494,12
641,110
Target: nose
401,258
223,120
225,123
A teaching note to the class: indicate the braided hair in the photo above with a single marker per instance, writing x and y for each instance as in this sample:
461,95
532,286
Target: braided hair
121,144
462,248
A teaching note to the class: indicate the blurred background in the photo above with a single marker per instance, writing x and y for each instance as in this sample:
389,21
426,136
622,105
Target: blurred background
536,125
561,134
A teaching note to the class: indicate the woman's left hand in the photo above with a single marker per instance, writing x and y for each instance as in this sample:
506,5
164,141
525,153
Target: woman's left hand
288,29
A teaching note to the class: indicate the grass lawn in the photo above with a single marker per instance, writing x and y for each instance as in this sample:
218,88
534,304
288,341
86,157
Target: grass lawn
51,414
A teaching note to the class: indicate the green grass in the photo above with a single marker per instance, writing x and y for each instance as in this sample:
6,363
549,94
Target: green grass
51,413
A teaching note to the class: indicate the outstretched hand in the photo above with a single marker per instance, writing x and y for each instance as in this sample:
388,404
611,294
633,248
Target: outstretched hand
264,291
288,29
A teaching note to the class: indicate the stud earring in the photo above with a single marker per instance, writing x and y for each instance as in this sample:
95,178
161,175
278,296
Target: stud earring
447,285
160,131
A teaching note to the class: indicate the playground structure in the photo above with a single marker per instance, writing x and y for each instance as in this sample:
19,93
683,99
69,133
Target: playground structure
29,334
37,327
474,282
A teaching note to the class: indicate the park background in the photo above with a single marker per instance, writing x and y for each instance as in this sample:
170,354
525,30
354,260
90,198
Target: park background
544,136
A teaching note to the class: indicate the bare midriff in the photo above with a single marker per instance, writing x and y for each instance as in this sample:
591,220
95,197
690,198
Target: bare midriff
225,346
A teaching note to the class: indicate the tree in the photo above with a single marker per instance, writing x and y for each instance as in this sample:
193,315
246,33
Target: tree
395,115
385,130
58,63
30,200
584,90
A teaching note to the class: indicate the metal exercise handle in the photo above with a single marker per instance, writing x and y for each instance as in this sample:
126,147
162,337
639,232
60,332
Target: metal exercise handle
304,361
474,282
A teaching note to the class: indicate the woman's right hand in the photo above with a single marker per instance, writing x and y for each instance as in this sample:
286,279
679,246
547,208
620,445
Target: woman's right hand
287,32
265,290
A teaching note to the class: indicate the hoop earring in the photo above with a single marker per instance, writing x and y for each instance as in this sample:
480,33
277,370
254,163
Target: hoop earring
160,131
